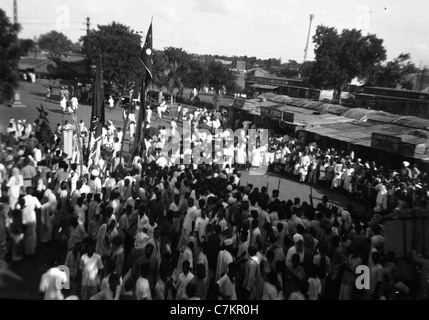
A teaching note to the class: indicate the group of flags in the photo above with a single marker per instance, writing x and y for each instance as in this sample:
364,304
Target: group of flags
98,112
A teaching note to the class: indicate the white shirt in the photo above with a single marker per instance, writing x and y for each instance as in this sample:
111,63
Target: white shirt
200,226
190,216
85,189
29,213
51,284
143,289
90,267
181,285
227,287
74,103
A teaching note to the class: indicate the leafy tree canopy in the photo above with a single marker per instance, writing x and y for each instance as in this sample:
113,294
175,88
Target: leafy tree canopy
120,50
56,43
9,57
26,46
339,58
394,73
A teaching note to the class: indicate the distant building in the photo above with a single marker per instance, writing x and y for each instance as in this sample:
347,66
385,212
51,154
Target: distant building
240,65
258,81
70,67
421,80
226,63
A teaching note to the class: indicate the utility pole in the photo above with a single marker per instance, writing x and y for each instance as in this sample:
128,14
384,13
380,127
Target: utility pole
15,12
308,38
88,48
16,102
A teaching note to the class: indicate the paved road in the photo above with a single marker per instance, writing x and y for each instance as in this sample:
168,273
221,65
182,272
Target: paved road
290,188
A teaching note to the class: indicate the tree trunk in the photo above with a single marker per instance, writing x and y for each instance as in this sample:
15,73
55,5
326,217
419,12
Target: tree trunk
339,91
171,97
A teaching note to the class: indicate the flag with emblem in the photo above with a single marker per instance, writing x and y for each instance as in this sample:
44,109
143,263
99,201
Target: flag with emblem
146,56
146,60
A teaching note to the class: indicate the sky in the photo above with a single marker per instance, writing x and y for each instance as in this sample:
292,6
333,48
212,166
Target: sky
265,29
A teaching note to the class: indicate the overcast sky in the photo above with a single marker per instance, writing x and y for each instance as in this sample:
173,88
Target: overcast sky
265,29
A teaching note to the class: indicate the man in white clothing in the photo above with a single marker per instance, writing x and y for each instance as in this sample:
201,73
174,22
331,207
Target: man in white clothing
91,267
51,283
224,259
29,220
142,284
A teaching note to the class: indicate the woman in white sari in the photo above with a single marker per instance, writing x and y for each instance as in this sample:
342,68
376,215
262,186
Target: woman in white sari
48,210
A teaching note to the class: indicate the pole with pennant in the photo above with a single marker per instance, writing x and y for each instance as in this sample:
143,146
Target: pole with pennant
147,62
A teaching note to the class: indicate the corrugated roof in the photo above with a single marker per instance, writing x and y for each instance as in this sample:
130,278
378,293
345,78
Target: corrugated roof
31,63
383,117
333,108
354,113
358,114
413,122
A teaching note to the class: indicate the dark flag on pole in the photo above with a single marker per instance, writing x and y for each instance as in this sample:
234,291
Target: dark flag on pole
98,102
97,113
146,56
146,59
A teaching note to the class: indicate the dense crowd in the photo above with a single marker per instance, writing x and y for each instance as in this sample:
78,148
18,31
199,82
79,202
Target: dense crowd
384,188
164,230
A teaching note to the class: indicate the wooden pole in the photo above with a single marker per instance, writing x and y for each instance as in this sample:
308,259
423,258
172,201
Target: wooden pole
74,115
125,126
278,187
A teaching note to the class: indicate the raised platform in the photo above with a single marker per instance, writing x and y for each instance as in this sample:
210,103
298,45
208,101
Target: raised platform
17,104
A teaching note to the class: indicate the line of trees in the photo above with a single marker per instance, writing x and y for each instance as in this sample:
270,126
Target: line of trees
339,58
173,67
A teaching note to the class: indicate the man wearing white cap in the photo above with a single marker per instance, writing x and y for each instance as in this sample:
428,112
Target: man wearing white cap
94,182
298,248
405,170
224,258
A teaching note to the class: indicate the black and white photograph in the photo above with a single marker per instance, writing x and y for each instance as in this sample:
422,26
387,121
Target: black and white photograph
214,154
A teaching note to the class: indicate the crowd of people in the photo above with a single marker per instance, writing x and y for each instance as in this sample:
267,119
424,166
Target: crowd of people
384,188
173,230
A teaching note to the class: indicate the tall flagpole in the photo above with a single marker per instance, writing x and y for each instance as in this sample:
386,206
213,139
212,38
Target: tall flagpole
146,60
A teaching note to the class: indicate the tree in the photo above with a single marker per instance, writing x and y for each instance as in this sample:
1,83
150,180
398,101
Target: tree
197,75
176,66
9,57
120,50
219,77
394,73
343,57
56,43
26,45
